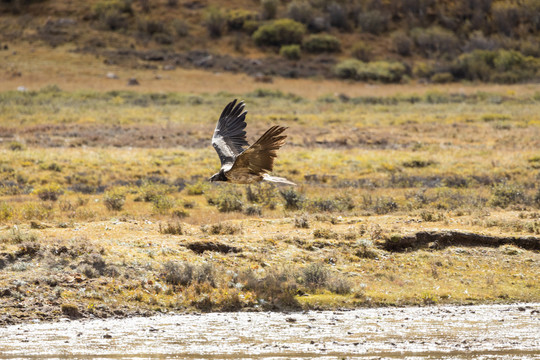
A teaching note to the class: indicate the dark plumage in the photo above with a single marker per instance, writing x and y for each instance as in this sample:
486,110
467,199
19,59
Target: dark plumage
252,164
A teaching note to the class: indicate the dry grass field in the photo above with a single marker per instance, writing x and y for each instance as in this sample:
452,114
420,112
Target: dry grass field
105,209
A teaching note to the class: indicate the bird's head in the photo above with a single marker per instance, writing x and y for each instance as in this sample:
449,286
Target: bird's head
218,177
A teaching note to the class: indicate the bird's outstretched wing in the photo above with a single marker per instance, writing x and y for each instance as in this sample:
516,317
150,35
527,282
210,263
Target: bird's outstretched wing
259,157
229,136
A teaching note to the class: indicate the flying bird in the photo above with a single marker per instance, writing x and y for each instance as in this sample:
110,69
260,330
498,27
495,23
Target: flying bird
251,165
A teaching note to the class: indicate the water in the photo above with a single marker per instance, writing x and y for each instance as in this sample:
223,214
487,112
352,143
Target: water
446,332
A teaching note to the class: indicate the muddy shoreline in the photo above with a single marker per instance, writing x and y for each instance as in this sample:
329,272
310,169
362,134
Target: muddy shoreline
449,332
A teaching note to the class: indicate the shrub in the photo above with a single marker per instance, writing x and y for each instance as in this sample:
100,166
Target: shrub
422,70
505,17
115,199
291,52
150,26
179,213
361,51
506,66
215,20
382,205
113,14
237,18
269,8
301,222
253,210
150,192
321,43
504,195
16,146
250,26
227,201
181,28
293,199
262,194
477,65
172,229
324,234
222,228
339,284
315,275
373,21
337,16
49,192
330,205
177,273
442,78
383,71
103,6
279,32
536,199
300,11
6,211
402,43
162,204
197,188
435,40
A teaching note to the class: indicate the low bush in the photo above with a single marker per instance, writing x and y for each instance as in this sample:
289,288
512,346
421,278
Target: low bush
183,273
227,201
373,21
115,199
337,15
435,41
503,66
504,195
162,204
49,192
180,27
315,275
442,78
215,20
402,43
269,9
293,199
222,228
236,19
172,229
383,71
291,52
301,222
362,51
113,14
301,11
321,43
6,211
279,32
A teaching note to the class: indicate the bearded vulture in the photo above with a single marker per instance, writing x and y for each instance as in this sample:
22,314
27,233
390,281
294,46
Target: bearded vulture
247,166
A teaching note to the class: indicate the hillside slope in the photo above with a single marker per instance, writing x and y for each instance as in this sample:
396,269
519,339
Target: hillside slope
377,41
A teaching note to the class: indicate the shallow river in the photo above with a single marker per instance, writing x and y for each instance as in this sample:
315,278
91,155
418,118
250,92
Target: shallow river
446,332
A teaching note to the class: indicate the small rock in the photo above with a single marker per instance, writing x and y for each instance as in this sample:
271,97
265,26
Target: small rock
290,319
21,89
107,336
169,67
133,82
111,75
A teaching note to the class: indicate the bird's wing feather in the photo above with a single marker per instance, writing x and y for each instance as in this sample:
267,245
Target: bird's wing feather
259,157
229,137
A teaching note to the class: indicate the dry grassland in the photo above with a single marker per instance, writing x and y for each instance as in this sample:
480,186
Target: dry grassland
105,209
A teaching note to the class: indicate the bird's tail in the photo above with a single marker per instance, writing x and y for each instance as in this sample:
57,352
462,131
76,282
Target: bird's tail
278,180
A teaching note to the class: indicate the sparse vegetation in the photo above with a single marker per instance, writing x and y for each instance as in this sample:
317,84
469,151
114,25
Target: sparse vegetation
279,32
391,168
